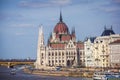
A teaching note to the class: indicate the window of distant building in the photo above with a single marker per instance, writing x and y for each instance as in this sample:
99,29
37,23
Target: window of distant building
56,61
42,54
66,53
42,62
96,47
69,53
62,53
49,61
59,61
96,41
49,53
55,53
59,54
52,54
88,48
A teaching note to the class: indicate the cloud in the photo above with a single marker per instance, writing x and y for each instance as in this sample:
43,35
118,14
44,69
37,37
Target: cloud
9,16
52,3
108,6
110,9
44,3
23,25
61,2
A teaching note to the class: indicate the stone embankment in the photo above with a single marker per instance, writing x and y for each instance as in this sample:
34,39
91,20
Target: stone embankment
60,73
72,72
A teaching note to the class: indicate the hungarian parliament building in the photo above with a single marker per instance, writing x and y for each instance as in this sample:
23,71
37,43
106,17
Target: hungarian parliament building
64,50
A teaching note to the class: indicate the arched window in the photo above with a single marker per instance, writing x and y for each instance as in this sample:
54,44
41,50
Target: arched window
62,53
66,53
59,54
42,54
55,53
52,54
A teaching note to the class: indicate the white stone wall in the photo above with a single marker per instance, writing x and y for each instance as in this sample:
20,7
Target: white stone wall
114,54
88,48
101,50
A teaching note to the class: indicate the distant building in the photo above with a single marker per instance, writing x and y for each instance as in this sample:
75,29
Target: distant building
62,48
101,47
115,54
88,49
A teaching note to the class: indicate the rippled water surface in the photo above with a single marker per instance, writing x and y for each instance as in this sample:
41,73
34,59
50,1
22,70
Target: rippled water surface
5,75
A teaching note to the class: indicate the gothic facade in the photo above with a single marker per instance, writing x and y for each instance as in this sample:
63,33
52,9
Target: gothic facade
62,48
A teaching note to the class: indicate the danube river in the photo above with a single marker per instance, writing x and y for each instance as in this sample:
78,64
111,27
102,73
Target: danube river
20,75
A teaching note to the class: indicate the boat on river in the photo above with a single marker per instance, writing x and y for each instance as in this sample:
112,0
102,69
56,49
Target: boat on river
13,71
106,76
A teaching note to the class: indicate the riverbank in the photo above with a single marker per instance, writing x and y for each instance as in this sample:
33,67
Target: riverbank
20,75
68,72
60,73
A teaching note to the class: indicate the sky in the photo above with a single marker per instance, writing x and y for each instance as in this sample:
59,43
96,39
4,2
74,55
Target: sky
20,20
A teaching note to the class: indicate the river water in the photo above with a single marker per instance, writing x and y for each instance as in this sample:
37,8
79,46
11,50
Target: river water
20,75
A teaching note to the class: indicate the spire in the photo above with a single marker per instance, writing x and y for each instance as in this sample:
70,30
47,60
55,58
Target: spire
105,27
40,37
60,16
111,27
40,30
73,30
40,46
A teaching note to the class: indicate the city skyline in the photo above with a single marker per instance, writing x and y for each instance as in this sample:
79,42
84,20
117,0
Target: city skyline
20,20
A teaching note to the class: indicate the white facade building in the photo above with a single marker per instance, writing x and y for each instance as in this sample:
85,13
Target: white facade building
101,47
115,54
88,48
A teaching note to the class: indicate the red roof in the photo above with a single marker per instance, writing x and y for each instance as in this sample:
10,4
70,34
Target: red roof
57,45
61,27
115,42
80,45
65,37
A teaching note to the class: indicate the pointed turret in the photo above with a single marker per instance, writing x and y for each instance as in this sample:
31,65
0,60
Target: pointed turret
40,37
60,16
111,27
107,31
40,47
73,30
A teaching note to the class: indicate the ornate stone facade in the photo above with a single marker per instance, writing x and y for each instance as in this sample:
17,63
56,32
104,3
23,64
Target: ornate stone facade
88,48
98,52
62,48
115,54
101,49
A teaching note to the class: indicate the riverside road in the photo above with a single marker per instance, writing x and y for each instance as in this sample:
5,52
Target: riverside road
20,75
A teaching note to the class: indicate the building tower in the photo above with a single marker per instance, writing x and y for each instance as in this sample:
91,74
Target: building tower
40,47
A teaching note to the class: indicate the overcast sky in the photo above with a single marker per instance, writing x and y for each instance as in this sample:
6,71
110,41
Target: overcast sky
20,19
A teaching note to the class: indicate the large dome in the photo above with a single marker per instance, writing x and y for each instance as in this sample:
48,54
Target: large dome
61,27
